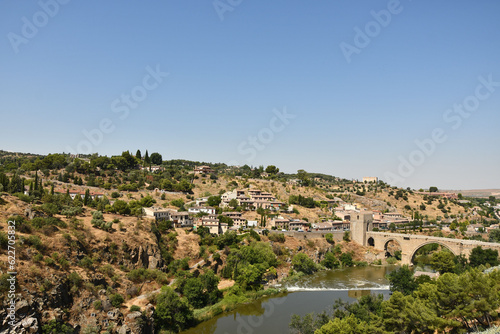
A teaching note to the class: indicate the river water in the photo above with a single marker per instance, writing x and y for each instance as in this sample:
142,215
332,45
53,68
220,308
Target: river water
315,293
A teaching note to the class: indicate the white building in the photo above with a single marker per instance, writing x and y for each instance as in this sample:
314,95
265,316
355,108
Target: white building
206,209
157,213
370,179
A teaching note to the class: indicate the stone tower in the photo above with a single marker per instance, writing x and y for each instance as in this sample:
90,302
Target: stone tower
361,222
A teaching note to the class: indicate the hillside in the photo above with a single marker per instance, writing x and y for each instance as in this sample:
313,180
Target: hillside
87,258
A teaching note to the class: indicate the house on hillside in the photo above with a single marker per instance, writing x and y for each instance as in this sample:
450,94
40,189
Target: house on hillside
74,193
325,226
280,223
181,219
298,224
152,168
203,170
205,209
157,213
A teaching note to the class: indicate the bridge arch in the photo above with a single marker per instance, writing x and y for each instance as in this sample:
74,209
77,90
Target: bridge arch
386,244
371,242
414,251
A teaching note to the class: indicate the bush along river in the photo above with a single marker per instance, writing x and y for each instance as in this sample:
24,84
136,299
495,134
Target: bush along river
316,292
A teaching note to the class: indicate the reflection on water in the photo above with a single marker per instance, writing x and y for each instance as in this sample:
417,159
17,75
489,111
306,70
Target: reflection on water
367,278
313,293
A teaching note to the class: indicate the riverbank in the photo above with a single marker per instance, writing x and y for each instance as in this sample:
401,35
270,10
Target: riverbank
233,298
270,310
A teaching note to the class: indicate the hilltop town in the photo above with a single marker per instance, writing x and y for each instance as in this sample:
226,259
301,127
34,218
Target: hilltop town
97,236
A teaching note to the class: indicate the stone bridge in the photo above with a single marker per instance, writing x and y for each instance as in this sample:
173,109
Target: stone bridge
361,233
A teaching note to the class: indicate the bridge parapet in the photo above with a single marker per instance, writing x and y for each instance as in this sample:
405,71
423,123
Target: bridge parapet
410,243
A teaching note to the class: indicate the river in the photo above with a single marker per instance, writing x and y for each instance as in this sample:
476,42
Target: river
316,293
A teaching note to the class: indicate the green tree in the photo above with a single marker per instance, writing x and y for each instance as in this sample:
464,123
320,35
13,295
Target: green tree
307,324
57,327
177,202
87,199
213,200
494,236
330,261
346,259
16,184
138,154
480,256
226,220
97,219
121,207
303,263
193,291
272,169
233,203
347,236
147,159
156,158
347,325
116,300
402,280
131,162
4,181
433,189
303,177
172,312
443,262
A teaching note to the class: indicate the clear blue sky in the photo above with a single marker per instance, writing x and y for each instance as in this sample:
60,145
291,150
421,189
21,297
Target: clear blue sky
231,69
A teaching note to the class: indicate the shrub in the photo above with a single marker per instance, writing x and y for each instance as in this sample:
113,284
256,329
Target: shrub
63,263
216,257
277,237
4,240
329,238
57,327
135,308
330,261
38,257
49,261
98,305
255,235
172,312
86,262
346,259
35,241
75,279
116,300
301,262
107,269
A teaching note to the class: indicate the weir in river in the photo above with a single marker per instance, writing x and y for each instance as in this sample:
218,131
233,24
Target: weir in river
313,293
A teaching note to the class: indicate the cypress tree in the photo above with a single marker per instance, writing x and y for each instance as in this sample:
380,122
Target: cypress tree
86,199
146,158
